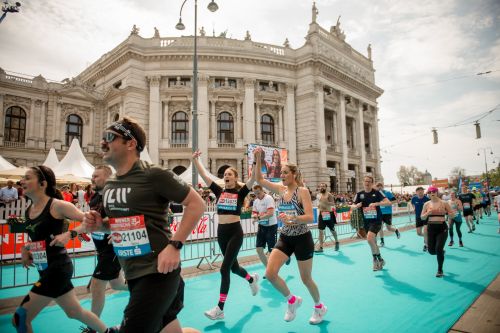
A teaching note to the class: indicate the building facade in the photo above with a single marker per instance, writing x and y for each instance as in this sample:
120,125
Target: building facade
319,101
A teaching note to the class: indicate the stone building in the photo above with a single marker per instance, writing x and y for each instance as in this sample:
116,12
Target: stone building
319,101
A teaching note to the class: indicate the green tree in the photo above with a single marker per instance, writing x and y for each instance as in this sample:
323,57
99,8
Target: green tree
410,175
494,177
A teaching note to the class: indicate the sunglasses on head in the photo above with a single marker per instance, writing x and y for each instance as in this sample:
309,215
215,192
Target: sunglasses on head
109,137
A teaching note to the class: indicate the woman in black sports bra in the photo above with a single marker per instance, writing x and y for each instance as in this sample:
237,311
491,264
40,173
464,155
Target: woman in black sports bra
45,251
229,231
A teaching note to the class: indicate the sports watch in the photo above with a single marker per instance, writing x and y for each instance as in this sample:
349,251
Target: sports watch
176,244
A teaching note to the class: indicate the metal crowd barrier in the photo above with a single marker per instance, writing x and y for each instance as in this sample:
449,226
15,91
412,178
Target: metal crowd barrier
201,246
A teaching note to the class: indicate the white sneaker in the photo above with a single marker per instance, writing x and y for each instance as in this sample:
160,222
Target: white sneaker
317,315
254,286
291,312
215,313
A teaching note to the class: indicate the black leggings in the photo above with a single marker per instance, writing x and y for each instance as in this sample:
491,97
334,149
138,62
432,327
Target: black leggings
436,239
230,238
458,225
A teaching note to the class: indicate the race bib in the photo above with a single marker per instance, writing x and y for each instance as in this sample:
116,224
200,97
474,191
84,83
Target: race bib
98,235
129,235
326,216
288,209
466,205
228,201
370,213
39,253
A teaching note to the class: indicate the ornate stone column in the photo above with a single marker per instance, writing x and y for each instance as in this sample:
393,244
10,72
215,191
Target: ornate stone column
238,127
290,127
345,151
361,140
259,134
166,121
376,147
203,117
213,125
154,117
320,123
2,116
31,121
249,111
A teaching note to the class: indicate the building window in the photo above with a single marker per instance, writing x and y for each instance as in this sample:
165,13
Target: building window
74,129
180,125
329,127
225,82
350,133
267,86
15,124
267,129
225,128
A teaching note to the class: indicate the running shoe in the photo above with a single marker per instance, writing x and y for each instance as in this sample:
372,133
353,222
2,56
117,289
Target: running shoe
320,250
254,286
337,244
425,248
439,274
381,263
451,243
461,244
86,329
382,244
291,311
473,228
317,315
215,313
112,329
398,234
376,265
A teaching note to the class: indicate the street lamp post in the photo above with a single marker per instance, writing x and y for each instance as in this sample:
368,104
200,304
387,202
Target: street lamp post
212,6
486,165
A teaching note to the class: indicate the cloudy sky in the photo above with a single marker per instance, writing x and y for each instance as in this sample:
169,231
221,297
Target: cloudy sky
427,55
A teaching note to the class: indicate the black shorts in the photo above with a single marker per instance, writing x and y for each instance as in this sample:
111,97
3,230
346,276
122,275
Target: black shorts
322,224
155,300
55,280
373,226
419,222
387,219
468,212
107,268
301,245
267,235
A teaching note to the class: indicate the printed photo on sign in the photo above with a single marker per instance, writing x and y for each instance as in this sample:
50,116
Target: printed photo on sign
272,160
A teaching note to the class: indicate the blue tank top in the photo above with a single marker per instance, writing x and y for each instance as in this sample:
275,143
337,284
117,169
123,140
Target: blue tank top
295,208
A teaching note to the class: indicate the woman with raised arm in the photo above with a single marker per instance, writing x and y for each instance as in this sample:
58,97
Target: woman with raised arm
230,200
45,251
295,212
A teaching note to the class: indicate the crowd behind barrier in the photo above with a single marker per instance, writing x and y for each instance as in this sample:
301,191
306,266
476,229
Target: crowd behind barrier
201,246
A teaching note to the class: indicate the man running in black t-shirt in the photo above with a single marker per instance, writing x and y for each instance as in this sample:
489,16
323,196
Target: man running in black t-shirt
136,201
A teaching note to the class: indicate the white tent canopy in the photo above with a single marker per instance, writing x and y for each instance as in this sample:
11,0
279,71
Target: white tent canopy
145,156
51,161
187,176
74,163
5,165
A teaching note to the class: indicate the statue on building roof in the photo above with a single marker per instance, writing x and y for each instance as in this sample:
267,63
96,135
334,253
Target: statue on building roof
369,49
202,32
286,43
315,12
247,36
157,33
223,34
336,30
135,30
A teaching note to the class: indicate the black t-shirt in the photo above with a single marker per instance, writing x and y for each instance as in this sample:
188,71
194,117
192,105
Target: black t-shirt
101,241
137,205
229,201
370,214
467,200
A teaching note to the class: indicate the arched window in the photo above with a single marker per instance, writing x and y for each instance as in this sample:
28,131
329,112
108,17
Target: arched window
225,128
178,170
116,117
267,129
15,124
180,125
74,129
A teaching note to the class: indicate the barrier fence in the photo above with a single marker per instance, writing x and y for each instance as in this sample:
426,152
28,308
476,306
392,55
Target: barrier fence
201,246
